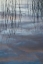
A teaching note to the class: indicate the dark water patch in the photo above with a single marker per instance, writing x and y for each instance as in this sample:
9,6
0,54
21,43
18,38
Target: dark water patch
5,54
20,62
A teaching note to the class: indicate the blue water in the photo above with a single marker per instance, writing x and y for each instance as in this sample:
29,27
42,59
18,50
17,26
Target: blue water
20,62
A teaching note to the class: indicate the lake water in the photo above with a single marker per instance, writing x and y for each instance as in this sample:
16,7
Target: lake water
14,62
